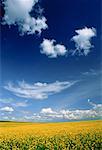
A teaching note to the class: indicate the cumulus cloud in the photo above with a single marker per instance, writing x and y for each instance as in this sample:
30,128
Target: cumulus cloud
17,12
48,114
51,49
83,40
96,107
37,90
47,111
7,109
82,43
70,115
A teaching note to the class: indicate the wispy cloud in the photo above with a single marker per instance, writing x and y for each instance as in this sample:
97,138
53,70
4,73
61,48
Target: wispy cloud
17,12
20,104
51,49
25,112
91,72
83,40
38,90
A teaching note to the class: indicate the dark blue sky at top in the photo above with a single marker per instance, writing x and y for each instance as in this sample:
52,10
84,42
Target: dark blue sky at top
21,54
21,58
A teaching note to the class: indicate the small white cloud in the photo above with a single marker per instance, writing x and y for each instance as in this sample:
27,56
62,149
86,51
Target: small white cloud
91,72
17,12
25,112
13,118
47,111
20,104
7,109
83,40
38,90
33,117
51,49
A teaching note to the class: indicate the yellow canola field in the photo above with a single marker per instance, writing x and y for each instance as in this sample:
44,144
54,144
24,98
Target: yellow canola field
84,135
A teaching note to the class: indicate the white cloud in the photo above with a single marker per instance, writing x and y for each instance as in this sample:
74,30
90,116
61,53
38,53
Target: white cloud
62,114
51,49
8,118
33,117
78,114
96,107
13,118
17,12
7,109
47,111
48,114
83,40
82,43
38,90
91,72
5,118
20,104
25,112
6,100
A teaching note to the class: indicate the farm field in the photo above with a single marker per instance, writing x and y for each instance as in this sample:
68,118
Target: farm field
84,135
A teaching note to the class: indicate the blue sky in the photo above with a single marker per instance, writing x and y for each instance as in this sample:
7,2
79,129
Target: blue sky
50,60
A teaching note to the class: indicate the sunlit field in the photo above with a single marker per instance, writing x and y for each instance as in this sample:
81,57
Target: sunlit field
85,135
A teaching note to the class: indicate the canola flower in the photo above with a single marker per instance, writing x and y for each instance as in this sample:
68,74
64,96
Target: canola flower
86,135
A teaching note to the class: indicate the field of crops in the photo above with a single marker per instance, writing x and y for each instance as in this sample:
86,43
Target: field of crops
85,135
